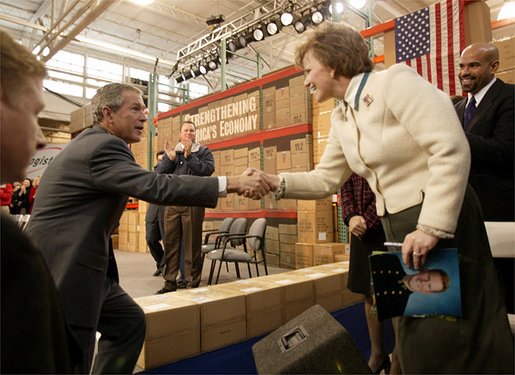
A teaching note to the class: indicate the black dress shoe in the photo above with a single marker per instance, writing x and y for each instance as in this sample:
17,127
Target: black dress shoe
181,284
157,273
167,288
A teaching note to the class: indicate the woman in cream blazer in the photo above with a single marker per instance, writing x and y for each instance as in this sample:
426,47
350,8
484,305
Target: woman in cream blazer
402,134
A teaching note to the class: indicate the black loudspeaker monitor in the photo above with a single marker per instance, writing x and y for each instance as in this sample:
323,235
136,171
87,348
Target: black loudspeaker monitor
311,343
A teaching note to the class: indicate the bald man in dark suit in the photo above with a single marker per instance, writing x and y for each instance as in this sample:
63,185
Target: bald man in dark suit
487,116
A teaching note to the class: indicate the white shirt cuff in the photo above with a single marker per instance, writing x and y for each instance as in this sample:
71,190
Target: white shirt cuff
222,186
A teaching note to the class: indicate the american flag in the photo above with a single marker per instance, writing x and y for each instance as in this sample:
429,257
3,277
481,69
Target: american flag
430,40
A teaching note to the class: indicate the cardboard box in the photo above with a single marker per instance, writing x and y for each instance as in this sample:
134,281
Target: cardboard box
300,118
159,351
254,154
283,160
240,203
287,229
222,316
77,120
272,260
303,255
282,93
287,239
324,253
301,145
508,76
166,315
315,226
269,100
297,81
270,165
272,246
264,304
318,107
506,49
299,293
349,298
287,259
321,125
329,287
89,116
240,153
171,322
325,204
282,114
227,157
269,120
272,233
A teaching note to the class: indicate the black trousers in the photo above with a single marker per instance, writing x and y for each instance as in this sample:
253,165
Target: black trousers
154,232
122,326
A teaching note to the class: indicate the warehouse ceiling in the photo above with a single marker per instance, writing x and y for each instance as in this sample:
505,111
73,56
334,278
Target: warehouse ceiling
122,29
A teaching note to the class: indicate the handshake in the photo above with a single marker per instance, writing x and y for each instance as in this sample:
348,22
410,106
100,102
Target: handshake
252,183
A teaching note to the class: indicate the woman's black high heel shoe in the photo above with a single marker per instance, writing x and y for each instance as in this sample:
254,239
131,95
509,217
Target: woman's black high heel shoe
385,365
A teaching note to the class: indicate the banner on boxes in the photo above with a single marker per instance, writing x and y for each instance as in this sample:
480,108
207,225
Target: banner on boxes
42,159
227,120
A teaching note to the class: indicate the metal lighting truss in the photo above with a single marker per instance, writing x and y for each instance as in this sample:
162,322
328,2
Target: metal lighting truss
192,53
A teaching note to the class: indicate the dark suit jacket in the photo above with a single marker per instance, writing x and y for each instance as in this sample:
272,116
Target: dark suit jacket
80,200
390,293
35,338
154,213
490,135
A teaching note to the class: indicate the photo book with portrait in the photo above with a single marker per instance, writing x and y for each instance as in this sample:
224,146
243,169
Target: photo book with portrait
433,290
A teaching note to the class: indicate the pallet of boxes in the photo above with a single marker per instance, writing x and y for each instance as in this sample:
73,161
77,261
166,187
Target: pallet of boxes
506,71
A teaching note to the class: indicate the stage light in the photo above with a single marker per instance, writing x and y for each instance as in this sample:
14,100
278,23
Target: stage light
286,18
194,71
302,23
203,67
231,45
180,78
317,17
213,64
258,34
246,38
507,11
358,4
273,27
338,8
215,20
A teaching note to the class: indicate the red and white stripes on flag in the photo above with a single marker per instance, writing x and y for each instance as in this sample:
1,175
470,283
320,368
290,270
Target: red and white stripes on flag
430,40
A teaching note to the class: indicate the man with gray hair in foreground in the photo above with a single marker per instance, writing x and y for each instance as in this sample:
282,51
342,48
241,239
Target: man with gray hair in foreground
35,338
80,200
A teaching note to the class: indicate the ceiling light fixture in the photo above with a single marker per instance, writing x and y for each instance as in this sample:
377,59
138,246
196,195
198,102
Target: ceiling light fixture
302,23
507,10
231,45
258,33
215,20
246,38
287,18
142,2
273,27
358,4
338,8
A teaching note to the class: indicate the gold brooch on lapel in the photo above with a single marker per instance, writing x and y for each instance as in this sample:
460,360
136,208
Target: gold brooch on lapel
368,99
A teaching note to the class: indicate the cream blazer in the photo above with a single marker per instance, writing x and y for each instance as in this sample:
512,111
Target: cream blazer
402,135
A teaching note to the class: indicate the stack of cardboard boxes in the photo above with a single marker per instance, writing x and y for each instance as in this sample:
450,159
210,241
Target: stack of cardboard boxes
321,125
187,322
81,119
506,70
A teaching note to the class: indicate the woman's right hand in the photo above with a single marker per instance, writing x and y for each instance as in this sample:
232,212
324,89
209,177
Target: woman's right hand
357,226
